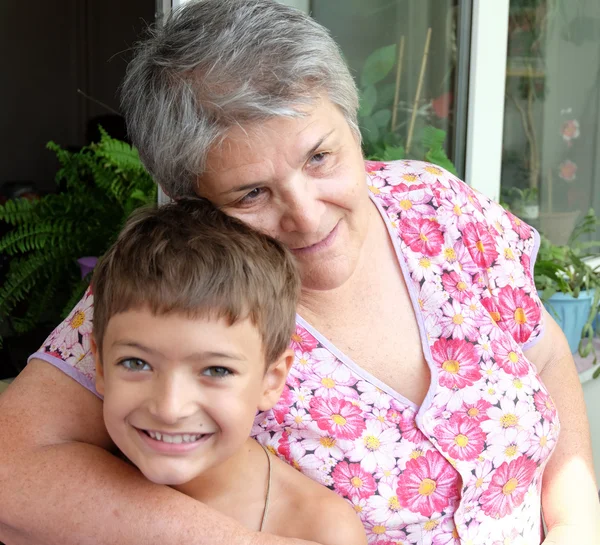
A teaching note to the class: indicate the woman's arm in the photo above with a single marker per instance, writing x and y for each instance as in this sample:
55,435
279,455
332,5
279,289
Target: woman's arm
60,486
569,491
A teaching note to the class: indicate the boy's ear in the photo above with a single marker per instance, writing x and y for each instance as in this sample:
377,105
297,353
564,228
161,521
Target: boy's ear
274,380
99,368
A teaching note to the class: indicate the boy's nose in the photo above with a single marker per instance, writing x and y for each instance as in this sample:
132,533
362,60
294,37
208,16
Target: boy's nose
174,400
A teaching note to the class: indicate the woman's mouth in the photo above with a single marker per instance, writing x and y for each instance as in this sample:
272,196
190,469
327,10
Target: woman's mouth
318,246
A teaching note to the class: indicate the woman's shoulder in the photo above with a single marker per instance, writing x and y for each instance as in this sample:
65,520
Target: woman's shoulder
409,174
304,509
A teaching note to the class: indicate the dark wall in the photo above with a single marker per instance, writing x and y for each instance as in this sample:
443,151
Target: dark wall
51,48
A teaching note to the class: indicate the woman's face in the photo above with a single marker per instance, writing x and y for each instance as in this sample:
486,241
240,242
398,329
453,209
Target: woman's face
302,181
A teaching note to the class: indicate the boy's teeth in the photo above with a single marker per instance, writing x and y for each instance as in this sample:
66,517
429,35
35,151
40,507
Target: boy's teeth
176,438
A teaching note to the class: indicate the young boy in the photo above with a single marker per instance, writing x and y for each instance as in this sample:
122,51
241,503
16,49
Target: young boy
193,316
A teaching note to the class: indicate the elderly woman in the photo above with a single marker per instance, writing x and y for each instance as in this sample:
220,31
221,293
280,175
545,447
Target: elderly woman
428,381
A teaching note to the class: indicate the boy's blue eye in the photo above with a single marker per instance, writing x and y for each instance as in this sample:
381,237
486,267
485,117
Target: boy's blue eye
135,364
216,372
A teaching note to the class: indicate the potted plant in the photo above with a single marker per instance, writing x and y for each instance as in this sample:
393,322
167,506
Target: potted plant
98,187
569,287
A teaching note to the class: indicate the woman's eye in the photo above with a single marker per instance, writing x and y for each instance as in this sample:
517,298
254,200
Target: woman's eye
252,196
216,372
134,364
319,158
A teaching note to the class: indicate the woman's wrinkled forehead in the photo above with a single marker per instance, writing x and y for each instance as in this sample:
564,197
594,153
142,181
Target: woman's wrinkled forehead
248,154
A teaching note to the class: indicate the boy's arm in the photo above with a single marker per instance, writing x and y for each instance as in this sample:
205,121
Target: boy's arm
59,486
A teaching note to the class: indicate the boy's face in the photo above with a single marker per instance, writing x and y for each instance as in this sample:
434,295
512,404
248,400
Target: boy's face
181,394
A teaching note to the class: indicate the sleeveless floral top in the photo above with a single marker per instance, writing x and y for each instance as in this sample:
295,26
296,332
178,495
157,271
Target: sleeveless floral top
464,468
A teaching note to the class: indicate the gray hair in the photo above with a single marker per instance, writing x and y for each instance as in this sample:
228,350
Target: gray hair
216,64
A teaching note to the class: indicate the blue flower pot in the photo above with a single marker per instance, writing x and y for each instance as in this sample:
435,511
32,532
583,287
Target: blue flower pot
571,314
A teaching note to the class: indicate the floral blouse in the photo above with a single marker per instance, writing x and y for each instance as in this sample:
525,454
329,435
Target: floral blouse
464,468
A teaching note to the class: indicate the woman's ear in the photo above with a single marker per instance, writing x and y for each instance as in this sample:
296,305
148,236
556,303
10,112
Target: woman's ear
99,368
274,380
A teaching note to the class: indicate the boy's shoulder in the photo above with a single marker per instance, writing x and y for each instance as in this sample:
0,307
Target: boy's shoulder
304,509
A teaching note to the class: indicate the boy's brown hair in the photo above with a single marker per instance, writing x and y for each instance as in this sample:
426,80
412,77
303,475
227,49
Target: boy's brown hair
188,257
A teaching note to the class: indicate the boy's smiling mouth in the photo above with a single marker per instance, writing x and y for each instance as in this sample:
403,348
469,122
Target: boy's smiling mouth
172,442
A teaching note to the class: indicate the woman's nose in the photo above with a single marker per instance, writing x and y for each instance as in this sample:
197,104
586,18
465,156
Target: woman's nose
173,400
303,210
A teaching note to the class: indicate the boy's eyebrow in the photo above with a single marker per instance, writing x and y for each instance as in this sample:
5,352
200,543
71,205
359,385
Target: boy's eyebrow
307,155
195,356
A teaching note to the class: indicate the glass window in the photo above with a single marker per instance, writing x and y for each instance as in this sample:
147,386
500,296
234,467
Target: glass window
407,62
551,143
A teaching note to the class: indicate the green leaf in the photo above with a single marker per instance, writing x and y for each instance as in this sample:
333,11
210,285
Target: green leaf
370,130
378,65
438,157
394,153
382,118
433,138
368,99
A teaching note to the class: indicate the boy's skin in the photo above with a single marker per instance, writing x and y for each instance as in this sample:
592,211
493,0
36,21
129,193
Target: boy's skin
202,381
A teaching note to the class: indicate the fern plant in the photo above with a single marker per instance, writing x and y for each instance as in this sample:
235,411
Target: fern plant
99,187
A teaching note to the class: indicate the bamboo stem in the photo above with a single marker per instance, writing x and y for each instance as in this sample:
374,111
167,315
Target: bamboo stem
550,180
418,93
534,168
397,88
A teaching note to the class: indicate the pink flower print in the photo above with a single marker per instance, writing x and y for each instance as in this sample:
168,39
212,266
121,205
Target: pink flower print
372,395
377,184
375,449
78,353
567,170
482,476
570,130
508,487
519,313
518,415
448,534
476,412
411,204
480,244
79,322
457,360
297,418
509,357
291,450
386,508
427,484
341,418
456,286
431,298
461,438
301,397
422,235
375,166
465,261
352,481
516,387
302,340
544,405
304,363
526,264
457,321
519,226
389,477
331,379
423,267
408,427
380,534
507,444
541,442
282,407
323,445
